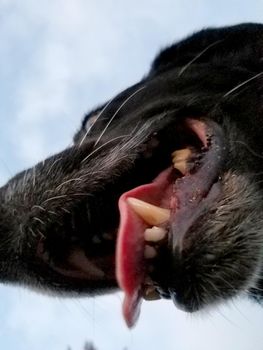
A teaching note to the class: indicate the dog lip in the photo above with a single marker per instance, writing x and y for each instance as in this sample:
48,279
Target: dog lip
78,266
196,191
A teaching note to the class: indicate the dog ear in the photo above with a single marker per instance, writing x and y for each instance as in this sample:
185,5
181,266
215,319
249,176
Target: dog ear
179,54
230,44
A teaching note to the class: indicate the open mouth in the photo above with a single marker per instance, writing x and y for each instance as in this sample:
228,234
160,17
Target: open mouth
158,215
175,176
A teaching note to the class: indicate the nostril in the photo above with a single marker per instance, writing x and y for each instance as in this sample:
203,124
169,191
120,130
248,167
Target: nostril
163,293
182,303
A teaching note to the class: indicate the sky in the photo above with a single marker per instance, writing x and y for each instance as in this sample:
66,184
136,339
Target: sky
60,58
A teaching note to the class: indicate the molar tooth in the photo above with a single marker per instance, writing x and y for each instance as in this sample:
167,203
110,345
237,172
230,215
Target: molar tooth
149,252
154,234
150,213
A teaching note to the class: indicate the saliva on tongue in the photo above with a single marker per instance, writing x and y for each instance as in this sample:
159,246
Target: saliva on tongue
130,260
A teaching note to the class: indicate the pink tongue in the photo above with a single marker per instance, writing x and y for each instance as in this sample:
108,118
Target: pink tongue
130,245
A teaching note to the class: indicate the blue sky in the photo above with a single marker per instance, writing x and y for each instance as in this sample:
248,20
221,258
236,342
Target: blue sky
59,58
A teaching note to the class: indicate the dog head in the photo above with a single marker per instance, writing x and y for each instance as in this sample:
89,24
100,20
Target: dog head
59,220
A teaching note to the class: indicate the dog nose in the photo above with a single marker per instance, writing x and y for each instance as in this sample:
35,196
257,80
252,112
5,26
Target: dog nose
182,302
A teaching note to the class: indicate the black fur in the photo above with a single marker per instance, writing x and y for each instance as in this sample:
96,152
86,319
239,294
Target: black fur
69,201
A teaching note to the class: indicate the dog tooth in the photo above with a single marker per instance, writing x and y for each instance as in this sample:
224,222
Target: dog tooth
179,159
181,166
150,213
150,293
149,252
182,154
154,234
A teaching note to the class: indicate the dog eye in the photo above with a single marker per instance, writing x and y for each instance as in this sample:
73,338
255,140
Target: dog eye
91,121
87,124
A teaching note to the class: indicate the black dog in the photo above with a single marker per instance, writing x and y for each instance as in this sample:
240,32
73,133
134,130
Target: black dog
59,220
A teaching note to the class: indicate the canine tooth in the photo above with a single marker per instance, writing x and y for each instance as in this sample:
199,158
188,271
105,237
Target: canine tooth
154,234
149,252
150,213
151,294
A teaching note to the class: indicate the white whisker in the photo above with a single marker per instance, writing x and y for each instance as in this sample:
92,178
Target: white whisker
100,114
114,115
248,148
53,198
79,179
53,164
32,232
39,220
38,207
65,210
197,56
52,212
25,178
101,146
34,176
242,84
